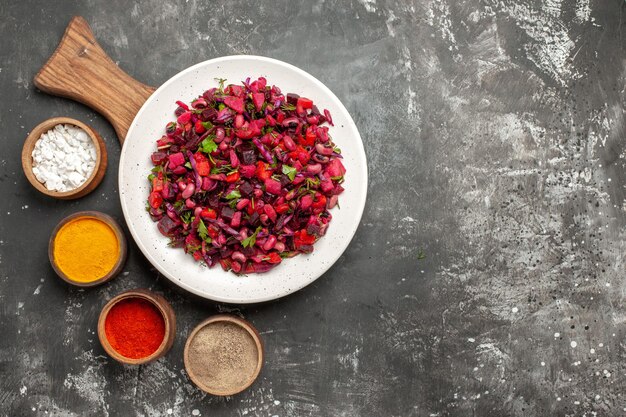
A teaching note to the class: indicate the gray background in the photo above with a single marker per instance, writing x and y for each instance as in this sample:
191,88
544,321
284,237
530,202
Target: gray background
487,276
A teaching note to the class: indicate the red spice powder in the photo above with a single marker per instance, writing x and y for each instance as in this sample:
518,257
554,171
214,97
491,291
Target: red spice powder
135,328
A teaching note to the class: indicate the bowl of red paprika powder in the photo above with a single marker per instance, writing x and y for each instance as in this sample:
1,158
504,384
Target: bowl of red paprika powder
137,327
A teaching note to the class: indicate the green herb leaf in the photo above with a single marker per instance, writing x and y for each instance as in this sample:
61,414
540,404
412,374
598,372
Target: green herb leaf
151,177
186,217
288,107
188,165
233,195
336,149
311,183
221,82
289,171
203,232
193,248
208,145
251,240
207,125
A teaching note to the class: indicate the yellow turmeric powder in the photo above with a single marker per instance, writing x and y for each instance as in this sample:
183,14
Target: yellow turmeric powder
86,249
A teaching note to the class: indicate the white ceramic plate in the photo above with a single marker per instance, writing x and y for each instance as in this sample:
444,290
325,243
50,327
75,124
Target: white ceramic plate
215,284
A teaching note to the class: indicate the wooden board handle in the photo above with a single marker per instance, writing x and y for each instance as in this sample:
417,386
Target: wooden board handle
80,69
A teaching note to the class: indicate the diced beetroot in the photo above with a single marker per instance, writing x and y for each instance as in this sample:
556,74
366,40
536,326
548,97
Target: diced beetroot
306,201
338,190
176,159
180,170
235,90
235,103
335,168
327,186
158,158
167,226
258,99
247,171
192,240
257,125
236,220
168,192
246,131
261,83
272,186
184,118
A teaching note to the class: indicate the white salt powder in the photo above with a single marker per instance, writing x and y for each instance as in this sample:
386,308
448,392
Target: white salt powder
63,158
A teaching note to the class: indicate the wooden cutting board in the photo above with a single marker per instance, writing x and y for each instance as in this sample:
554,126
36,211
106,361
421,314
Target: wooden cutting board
80,69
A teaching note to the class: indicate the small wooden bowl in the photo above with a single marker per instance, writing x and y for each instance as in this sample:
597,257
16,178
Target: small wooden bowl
96,176
119,234
235,320
168,316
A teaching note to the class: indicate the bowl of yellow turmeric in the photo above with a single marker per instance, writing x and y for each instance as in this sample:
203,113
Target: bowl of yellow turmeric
87,248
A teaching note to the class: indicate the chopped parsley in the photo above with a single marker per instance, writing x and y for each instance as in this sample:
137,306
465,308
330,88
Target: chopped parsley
208,145
203,232
234,194
289,171
251,240
186,217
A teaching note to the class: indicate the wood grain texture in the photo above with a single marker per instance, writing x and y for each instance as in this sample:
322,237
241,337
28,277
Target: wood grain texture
94,179
80,69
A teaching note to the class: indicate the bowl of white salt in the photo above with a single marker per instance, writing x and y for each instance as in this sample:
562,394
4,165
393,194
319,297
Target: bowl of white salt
64,158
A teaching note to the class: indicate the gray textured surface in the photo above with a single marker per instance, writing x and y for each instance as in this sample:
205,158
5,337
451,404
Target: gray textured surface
495,134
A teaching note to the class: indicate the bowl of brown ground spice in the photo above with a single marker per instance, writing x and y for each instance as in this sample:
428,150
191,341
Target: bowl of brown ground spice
223,355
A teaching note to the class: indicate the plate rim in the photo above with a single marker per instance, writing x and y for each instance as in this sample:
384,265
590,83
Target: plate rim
362,183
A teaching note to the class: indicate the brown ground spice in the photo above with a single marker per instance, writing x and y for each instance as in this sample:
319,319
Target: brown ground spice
223,356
